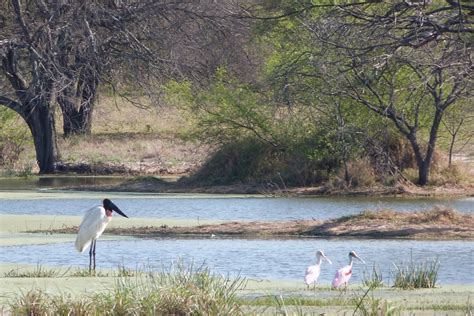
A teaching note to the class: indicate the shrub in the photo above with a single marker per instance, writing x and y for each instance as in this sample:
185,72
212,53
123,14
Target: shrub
253,161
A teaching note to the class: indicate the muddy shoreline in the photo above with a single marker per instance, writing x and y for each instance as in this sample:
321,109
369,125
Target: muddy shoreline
439,223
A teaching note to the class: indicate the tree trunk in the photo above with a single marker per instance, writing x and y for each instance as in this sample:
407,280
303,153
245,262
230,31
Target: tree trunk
423,172
40,120
451,147
77,107
423,167
76,121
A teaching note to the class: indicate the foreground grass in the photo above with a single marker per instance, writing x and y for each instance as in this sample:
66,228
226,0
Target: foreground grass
190,290
180,290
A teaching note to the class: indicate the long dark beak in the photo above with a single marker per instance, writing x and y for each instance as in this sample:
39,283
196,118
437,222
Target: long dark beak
116,209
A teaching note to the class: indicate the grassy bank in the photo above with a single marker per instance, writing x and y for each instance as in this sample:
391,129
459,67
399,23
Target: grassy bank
182,290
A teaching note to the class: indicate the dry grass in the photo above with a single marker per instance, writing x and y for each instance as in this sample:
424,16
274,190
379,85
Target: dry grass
147,139
436,223
139,140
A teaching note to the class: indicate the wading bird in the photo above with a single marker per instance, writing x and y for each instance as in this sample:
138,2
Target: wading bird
93,225
312,272
344,274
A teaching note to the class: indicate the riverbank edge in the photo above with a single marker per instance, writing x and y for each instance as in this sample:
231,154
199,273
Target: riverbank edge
151,184
437,223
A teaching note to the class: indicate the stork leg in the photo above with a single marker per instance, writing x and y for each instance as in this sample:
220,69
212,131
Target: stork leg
93,252
90,257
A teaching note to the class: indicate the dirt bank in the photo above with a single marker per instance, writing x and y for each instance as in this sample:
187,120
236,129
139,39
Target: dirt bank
151,184
438,223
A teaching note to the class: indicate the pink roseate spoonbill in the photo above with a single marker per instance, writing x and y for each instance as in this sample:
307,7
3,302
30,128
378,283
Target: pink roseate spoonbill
93,225
312,272
344,274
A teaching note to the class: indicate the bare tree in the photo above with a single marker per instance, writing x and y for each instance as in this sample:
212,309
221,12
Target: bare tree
458,122
58,52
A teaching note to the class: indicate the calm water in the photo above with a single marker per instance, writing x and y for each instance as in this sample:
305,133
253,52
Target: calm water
261,259
220,207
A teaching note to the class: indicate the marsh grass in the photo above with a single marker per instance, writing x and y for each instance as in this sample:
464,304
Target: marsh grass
373,279
38,272
86,273
414,275
368,305
180,290
372,306
270,300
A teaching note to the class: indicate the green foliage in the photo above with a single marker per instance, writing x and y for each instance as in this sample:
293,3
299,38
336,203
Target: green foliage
413,275
370,306
14,139
251,161
227,111
373,279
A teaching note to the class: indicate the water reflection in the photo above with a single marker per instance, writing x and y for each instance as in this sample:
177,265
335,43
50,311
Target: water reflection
265,259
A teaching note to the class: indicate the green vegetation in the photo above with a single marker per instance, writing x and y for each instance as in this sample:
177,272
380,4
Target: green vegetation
184,289
293,98
369,305
38,272
15,142
272,300
415,275
181,290
373,279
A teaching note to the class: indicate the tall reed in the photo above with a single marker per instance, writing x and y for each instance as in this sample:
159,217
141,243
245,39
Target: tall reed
413,275
373,279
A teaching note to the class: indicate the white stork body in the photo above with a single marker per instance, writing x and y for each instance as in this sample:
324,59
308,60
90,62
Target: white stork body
312,272
92,226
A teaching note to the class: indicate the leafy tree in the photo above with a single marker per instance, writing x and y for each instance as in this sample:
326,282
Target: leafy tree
406,61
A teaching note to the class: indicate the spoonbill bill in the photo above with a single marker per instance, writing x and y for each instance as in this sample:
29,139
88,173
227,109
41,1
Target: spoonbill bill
344,274
93,225
312,272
